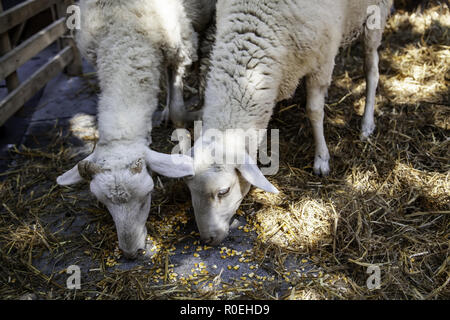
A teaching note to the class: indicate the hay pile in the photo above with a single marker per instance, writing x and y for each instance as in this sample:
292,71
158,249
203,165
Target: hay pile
386,202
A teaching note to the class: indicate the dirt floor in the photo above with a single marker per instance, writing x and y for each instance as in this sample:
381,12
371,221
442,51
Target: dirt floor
385,204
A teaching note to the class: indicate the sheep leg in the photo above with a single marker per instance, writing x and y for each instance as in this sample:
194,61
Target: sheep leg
164,116
179,114
314,106
174,109
371,43
177,109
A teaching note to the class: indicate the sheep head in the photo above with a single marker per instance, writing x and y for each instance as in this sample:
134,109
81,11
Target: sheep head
217,189
125,189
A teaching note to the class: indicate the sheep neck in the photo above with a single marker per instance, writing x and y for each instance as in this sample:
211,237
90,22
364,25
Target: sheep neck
242,88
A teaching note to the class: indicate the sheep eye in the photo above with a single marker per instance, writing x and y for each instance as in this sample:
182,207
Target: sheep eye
223,192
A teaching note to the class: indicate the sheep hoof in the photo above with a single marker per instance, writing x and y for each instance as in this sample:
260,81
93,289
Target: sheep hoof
321,166
367,131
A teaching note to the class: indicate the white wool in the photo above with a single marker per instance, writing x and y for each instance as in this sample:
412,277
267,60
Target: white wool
263,48
130,42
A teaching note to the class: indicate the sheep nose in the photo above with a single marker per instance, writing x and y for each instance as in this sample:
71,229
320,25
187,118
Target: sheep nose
130,255
207,240
212,241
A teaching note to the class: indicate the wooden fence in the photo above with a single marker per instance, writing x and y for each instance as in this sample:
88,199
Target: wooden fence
12,57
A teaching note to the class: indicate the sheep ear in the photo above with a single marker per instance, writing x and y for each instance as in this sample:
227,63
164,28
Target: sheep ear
73,175
170,165
252,174
70,177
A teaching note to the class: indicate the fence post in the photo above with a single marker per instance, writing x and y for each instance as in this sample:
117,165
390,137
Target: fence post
12,81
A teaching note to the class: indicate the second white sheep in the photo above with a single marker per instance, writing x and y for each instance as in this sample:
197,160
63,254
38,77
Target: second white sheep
263,48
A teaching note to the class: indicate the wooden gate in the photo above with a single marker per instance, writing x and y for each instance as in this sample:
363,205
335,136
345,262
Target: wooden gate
12,57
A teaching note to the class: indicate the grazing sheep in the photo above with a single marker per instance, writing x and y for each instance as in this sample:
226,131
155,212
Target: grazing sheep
263,48
171,27
131,42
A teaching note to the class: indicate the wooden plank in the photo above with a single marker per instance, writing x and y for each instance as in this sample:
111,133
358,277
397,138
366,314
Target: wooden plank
12,81
16,99
29,48
18,14
15,38
55,17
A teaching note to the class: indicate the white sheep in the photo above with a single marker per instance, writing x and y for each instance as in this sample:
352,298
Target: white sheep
263,48
131,42
174,28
